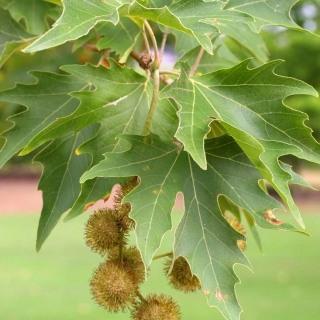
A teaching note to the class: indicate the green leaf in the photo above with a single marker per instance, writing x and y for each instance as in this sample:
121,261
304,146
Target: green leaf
12,36
120,38
60,179
194,17
46,100
77,19
222,58
265,12
165,169
120,103
241,33
248,103
34,13
5,3
57,2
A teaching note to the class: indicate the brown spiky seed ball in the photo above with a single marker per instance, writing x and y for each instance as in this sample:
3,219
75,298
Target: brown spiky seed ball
235,224
181,277
103,231
112,286
131,259
156,307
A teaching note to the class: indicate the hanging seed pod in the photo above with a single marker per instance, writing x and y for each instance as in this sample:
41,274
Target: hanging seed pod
132,261
112,286
235,224
104,231
156,307
181,277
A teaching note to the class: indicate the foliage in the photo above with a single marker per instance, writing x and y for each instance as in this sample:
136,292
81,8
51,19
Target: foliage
212,128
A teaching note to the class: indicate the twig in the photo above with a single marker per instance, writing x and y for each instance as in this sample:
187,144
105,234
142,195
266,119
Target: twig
168,254
174,73
104,54
156,62
91,47
146,42
195,66
135,55
163,43
141,296
165,80
154,100
96,34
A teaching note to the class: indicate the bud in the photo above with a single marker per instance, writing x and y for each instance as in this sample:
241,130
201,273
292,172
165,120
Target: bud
155,308
131,260
181,277
103,231
112,286
235,224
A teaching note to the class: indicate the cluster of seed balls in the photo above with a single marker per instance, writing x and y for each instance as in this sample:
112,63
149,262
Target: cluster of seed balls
115,283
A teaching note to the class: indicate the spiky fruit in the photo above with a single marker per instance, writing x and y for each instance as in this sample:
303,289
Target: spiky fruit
112,286
104,231
156,307
235,224
181,277
131,260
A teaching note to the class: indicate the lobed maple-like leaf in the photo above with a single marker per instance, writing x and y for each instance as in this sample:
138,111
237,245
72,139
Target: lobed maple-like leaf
46,100
34,14
120,104
265,12
12,36
194,17
59,183
119,38
77,19
204,237
249,105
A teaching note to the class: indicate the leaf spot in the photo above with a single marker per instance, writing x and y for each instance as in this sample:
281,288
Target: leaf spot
206,292
158,192
272,218
220,296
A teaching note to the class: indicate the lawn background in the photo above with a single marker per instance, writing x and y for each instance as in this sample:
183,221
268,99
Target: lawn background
53,284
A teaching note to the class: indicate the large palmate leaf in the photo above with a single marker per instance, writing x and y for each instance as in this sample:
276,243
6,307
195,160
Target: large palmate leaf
12,36
46,100
265,12
60,179
165,169
34,13
77,19
120,103
248,103
194,17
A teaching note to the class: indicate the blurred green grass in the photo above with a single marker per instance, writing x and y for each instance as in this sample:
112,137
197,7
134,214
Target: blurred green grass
53,284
